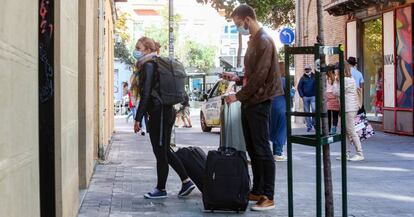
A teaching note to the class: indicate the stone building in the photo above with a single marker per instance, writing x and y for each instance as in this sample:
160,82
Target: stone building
56,58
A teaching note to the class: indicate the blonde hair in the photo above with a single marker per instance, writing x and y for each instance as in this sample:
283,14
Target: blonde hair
331,74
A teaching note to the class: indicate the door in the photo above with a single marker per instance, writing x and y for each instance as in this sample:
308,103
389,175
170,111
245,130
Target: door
215,101
389,72
372,68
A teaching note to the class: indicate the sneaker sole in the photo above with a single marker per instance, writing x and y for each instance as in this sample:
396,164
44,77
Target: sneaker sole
262,208
160,197
187,192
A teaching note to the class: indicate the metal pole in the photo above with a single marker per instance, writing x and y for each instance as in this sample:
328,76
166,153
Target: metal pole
289,133
171,28
343,134
318,137
171,47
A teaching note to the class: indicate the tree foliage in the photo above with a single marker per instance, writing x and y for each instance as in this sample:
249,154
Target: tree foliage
274,13
160,33
198,56
121,45
191,53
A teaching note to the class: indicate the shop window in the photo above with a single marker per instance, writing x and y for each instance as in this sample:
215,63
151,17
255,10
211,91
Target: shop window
404,46
373,69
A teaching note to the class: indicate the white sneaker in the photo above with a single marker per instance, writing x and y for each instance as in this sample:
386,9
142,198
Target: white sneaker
280,158
357,157
348,157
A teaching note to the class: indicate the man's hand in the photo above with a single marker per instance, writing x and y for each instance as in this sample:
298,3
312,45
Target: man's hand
137,127
230,77
230,99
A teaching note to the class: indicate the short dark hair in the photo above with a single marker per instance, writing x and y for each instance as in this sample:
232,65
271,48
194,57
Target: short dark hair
244,11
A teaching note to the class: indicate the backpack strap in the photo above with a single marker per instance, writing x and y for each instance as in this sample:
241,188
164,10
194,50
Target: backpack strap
162,126
154,92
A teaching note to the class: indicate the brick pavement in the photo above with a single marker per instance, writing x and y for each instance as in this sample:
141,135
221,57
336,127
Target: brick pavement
381,186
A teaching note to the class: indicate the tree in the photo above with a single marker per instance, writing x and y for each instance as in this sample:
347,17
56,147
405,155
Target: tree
329,203
160,33
274,13
121,45
281,56
199,56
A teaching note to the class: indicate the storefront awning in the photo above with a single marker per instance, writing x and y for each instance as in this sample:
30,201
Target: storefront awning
343,7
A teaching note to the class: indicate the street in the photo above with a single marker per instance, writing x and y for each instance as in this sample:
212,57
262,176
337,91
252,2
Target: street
380,186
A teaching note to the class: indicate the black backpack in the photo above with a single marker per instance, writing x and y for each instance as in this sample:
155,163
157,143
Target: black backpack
172,76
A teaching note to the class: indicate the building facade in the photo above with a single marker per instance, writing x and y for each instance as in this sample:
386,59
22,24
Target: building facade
380,36
53,125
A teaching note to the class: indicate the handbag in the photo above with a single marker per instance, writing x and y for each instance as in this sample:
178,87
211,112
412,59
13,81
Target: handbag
363,128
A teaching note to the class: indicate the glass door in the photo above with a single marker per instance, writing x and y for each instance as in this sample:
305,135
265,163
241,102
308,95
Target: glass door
372,68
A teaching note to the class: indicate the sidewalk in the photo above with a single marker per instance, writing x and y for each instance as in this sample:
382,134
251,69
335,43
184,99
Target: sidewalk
381,186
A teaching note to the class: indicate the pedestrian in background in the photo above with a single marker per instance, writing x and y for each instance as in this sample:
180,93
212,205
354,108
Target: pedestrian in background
332,102
278,127
131,105
307,91
183,113
147,50
359,82
261,83
351,109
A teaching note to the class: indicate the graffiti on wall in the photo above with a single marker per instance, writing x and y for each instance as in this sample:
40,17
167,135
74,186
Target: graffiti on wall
46,108
404,58
46,87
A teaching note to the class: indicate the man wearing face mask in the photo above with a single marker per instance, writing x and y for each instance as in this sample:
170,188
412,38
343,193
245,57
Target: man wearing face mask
261,83
306,88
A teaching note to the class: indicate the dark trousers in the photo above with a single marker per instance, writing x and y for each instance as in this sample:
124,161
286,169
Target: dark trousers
332,117
163,153
255,121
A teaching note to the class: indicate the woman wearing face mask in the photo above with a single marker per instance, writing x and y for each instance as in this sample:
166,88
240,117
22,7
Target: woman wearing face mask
146,51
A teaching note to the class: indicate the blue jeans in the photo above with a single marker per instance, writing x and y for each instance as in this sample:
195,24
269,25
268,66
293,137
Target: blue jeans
132,113
308,103
278,128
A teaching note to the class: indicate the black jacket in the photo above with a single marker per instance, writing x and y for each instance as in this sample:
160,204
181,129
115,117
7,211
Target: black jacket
148,83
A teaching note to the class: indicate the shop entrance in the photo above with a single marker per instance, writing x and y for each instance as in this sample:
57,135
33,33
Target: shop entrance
372,68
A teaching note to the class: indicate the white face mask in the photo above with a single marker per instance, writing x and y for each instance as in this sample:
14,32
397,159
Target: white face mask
242,30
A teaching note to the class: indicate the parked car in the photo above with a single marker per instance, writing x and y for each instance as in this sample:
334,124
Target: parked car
211,107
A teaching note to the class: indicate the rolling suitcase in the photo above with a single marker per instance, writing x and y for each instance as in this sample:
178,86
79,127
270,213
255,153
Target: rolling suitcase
226,179
194,160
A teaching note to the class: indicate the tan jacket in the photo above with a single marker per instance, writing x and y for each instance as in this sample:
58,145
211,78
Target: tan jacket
261,70
351,95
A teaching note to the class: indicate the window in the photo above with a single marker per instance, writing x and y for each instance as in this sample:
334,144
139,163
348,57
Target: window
232,51
372,69
220,89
